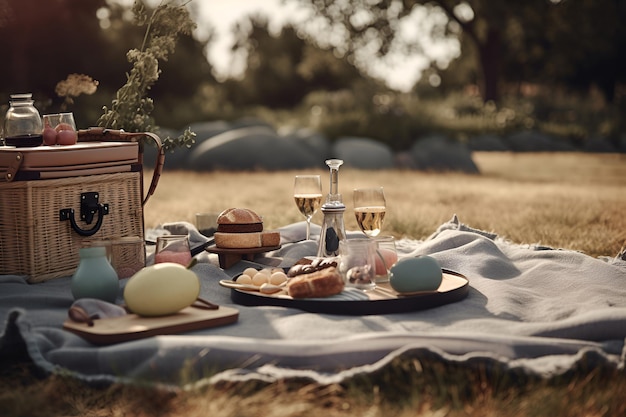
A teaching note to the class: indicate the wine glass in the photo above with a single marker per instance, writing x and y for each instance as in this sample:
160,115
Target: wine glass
307,192
59,129
369,209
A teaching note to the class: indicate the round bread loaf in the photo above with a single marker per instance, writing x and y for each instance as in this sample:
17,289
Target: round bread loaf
239,220
238,216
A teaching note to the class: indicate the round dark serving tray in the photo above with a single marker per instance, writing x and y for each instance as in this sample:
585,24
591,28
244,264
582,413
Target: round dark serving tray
454,287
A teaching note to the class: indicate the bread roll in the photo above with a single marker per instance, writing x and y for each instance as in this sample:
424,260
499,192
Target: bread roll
238,216
240,228
239,220
322,283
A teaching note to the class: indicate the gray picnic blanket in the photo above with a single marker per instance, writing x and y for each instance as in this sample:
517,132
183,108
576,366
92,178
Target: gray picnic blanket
530,309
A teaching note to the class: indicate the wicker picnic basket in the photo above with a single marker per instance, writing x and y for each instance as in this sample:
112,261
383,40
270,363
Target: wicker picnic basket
49,210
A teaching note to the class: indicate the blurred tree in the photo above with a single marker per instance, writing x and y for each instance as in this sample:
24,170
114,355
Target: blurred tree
377,25
575,42
322,70
460,75
43,41
270,77
484,23
282,69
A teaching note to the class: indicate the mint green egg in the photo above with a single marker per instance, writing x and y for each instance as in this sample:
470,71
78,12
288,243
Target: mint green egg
421,273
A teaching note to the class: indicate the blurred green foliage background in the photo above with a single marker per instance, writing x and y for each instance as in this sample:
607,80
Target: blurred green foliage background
554,66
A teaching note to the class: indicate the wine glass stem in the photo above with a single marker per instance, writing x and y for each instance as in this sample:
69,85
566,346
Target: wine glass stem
308,228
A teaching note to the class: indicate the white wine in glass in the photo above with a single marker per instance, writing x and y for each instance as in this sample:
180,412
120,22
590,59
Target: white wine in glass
369,210
307,192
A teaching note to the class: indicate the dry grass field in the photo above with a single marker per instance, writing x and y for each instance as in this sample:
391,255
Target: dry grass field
567,200
575,201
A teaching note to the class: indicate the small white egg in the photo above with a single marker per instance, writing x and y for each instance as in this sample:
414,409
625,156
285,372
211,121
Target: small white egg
249,272
244,279
278,277
260,278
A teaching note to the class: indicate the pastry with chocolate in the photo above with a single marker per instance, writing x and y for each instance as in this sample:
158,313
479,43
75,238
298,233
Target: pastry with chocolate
318,278
305,266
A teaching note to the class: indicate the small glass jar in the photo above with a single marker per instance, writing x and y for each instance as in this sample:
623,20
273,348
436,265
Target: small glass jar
128,255
357,263
173,248
386,257
22,125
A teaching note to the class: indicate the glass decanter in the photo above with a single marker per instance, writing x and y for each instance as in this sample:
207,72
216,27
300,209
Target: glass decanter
333,230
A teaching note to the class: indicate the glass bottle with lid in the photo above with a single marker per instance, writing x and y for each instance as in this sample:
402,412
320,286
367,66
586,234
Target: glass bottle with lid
22,124
333,230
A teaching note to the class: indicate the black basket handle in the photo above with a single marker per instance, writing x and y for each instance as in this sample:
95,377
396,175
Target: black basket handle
89,206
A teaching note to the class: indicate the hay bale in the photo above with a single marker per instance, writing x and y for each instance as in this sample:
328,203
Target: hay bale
599,144
205,130
487,142
363,153
534,141
250,148
440,153
311,140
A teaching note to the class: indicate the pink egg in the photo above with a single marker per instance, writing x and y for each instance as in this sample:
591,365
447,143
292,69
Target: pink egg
389,258
49,136
66,137
64,126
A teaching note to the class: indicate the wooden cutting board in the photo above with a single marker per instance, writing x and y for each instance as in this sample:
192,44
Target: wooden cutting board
131,326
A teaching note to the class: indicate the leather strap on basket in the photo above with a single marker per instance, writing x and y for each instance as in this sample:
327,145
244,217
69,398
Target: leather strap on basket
99,134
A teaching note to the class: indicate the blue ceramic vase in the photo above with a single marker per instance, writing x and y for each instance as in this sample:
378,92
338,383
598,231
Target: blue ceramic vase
95,277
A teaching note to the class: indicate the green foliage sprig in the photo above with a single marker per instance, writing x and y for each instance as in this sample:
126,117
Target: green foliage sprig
131,108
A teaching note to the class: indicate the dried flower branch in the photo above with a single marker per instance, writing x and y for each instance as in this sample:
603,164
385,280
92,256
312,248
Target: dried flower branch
131,108
73,86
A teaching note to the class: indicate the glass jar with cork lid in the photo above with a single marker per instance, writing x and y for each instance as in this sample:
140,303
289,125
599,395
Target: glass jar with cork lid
22,124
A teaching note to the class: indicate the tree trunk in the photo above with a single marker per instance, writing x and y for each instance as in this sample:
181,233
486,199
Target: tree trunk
489,57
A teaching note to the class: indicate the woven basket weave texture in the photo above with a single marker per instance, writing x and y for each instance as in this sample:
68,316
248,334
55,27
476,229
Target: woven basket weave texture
33,240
